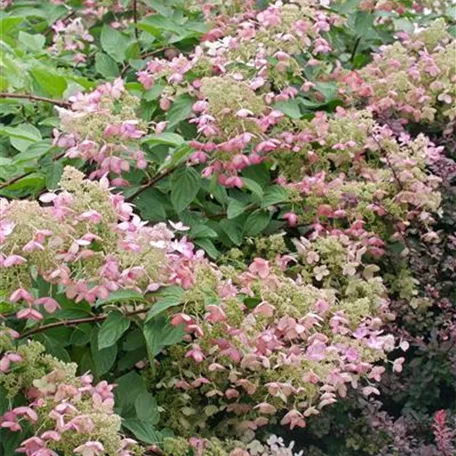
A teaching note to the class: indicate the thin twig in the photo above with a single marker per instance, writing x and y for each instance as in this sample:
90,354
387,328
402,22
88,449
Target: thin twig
76,321
18,178
63,19
25,96
151,183
135,16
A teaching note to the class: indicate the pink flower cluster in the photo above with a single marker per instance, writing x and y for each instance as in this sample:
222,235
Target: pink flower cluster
87,241
413,79
102,127
64,411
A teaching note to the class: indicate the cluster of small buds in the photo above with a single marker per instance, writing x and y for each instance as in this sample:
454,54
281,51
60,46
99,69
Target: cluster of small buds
276,344
65,414
102,127
422,86
87,240
71,37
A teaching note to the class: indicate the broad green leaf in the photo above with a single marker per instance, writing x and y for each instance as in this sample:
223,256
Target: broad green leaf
22,136
202,231
106,66
235,208
49,81
112,329
33,42
103,359
53,172
274,195
158,6
253,187
147,408
208,246
122,296
234,229
290,108
171,139
256,222
328,89
144,431
9,23
151,205
114,43
159,333
185,184
180,110
170,297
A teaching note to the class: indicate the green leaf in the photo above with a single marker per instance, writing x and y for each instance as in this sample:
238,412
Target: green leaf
122,296
328,89
112,329
103,359
165,11
208,246
180,110
143,431
170,139
22,136
151,205
53,172
235,208
106,66
185,184
33,42
253,187
147,408
159,333
274,195
234,229
114,43
49,81
170,297
9,23
202,231
256,222
290,108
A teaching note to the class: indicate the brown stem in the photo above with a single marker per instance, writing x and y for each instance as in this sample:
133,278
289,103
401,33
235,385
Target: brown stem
25,96
18,178
64,18
77,321
151,183
135,16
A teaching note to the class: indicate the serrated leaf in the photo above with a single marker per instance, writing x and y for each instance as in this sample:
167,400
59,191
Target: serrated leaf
143,431
49,81
112,329
234,229
22,136
103,359
159,333
180,110
185,184
53,172
34,42
122,296
274,195
253,186
171,139
114,43
106,66
256,222
170,297
208,246
290,108
146,408
235,208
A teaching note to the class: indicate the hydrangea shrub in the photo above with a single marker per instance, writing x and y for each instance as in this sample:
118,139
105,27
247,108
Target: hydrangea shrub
226,228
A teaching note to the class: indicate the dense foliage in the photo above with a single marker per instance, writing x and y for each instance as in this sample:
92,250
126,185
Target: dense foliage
226,228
